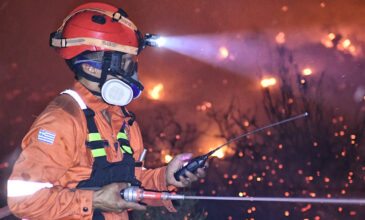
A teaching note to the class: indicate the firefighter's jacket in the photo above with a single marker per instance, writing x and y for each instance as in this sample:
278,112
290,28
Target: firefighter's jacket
55,159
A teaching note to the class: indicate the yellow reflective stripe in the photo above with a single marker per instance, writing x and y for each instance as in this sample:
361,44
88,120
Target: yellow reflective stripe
98,152
121,149
122,135
125,148
94,137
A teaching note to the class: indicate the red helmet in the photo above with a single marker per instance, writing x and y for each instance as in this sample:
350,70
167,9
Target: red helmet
96,27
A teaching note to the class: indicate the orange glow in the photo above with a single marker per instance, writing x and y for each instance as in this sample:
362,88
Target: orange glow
168,158
280,38
223,51
155,92
268,82
286,213
307,71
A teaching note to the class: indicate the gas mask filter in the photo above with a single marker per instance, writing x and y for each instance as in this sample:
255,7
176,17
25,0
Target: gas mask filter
117,92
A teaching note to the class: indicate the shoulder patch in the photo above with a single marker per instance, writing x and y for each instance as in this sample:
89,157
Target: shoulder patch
46,136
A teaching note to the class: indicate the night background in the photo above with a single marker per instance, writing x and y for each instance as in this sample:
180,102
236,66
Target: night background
230,67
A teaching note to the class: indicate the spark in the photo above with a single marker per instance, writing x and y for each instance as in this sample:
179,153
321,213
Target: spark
280,38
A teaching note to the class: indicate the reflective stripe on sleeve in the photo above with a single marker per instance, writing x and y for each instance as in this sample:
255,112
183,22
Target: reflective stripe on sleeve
25,188
77,97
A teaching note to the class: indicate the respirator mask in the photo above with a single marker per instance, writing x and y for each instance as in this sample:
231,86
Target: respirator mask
124,85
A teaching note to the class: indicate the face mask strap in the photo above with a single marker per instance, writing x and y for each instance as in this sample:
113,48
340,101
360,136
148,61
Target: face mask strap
106,67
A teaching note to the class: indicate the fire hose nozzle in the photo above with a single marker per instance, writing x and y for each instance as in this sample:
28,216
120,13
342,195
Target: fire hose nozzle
136,194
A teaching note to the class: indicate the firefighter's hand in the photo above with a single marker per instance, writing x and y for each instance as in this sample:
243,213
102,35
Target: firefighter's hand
175,164
108,199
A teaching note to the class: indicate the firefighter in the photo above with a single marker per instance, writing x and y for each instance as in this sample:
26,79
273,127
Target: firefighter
85,146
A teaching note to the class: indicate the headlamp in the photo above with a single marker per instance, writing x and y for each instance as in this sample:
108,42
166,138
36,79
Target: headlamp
154,40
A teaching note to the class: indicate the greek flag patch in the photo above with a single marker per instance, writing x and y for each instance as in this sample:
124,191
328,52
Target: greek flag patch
46,136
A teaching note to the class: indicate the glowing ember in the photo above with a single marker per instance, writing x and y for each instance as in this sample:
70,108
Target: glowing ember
223,51
280,38
307,71
155,92
268,82
168,158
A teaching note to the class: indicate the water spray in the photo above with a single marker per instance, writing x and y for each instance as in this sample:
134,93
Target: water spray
136,194
199,162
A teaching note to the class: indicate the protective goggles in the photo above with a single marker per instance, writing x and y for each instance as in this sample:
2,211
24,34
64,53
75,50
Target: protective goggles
120,63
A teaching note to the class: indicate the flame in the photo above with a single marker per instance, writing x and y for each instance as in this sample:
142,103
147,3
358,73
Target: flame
168,158
155,92
223,52
327,41
307,71
347,46
268,82
219,153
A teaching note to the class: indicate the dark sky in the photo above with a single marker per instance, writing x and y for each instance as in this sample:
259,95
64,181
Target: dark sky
33,73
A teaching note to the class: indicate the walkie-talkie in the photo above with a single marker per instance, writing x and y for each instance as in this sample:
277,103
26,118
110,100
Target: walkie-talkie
199,162
194,164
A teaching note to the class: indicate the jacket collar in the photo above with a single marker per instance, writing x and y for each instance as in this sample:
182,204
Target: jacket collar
93,102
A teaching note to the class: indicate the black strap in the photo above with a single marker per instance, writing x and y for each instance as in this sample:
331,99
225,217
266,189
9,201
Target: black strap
91,126
129,114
